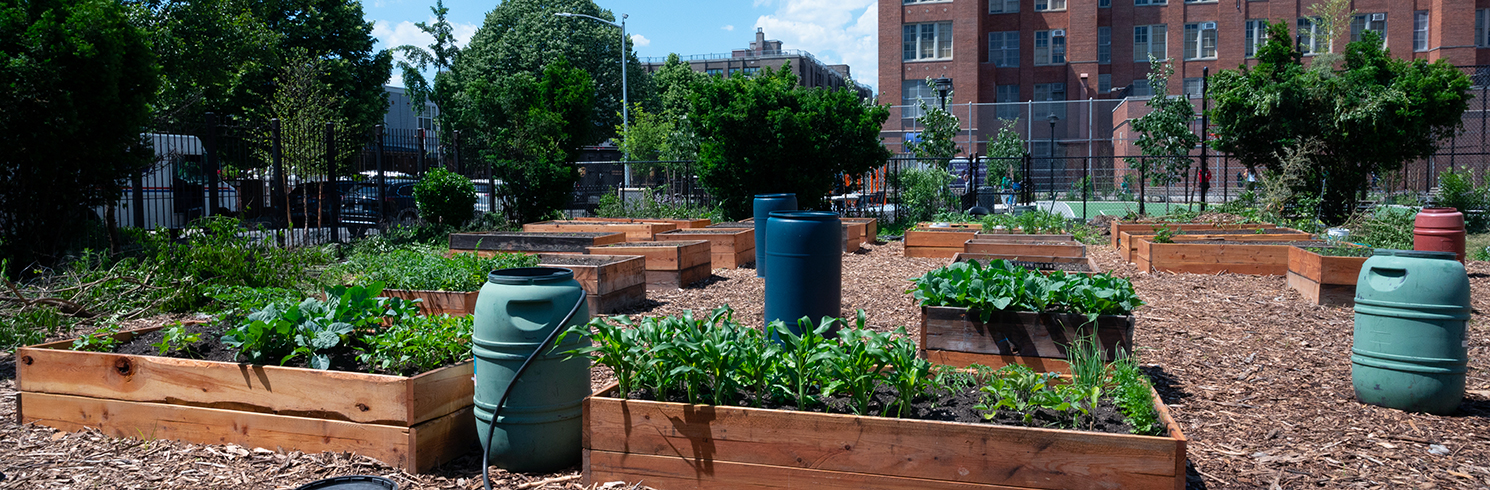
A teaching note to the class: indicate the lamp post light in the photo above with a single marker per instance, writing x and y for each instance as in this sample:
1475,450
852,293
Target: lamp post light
1052,120
943,85
625,105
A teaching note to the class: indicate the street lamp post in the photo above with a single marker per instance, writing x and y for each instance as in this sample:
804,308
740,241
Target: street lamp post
943,85
1052,120
625,105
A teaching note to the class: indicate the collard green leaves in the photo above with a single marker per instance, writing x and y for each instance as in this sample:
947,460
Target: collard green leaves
1000,286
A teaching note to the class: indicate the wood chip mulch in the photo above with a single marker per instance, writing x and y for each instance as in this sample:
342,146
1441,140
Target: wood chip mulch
1258,379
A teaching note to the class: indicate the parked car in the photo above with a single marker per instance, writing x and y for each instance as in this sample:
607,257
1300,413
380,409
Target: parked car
360,208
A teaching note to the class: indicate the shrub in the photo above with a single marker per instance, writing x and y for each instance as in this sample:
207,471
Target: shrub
445,197
925,192
424,267
1456,189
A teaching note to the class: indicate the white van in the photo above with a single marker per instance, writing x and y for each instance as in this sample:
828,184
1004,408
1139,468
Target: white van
174,188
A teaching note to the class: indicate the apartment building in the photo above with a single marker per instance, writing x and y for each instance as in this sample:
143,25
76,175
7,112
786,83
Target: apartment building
768,53
1054,50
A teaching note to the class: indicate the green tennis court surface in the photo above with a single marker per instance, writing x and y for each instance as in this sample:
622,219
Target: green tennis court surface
1073,209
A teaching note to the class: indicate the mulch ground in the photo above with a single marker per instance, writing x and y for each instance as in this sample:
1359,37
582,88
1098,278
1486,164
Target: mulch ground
1258,379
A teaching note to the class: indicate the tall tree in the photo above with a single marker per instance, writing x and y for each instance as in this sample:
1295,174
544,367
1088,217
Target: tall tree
76,78
523,36
1373,115
763,134
1164,134
204,47
439,56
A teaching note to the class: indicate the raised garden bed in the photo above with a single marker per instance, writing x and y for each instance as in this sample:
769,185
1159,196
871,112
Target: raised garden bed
438,302
871,228
670,264
1118,227
1127,241
1055,248
411,422
1210,255
1043,263
955,337
941,243
611,282
636,231
681,223
853,236
936,225
733,224
683,446
1328,278
729,248
522,241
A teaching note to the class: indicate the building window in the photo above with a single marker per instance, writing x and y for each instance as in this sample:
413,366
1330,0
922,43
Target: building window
1200,1
714,72
427,123
1200,40
1192,88
1003,49
1420,30
1150,2
1140,88
1104,3
1050,47
1257,34
1044,5
1308,36
913,92
1104,83
1054,96
931,41
1104,44
1150,40
1003,6
751,71
1369,22
1008,96
734,72
1481,21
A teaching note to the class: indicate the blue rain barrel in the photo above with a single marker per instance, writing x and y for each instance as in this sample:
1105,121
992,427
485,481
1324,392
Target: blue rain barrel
806,266
1411,347
764,205
539,429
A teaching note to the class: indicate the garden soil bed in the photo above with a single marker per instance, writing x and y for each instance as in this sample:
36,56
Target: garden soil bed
1257,378
612,283
1204,255
1324,279
1128,240
1042,263
537,242
984,245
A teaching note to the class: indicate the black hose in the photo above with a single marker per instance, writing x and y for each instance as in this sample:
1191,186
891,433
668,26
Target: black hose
492,427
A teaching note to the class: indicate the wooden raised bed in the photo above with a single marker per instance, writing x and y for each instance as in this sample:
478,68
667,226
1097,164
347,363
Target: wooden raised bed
636,231
414,423
957,337
1087,263
729,248
670,264
853,236
681,446
1049,248
537,242
1119,227
681,223
927,225
940,243
871,228
438,302
1324,279
1128,240
733,224
1207,255
611,282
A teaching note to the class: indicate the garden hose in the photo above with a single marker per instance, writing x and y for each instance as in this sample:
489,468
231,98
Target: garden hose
496,412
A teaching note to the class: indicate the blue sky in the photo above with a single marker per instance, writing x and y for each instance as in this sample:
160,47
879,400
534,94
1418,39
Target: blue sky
835,31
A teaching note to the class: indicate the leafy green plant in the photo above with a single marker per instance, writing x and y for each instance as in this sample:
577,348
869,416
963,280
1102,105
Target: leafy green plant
101,340
279,333
418,343
1018,388
1165,234
445,197
656,203
31,325
1001,286
1383,227
424,267
1134,396
239,300
804,355
176,338
858,363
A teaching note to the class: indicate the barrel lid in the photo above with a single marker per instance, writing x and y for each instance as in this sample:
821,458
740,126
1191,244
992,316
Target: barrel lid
529,275
806,215
354,482
774,196
1415,254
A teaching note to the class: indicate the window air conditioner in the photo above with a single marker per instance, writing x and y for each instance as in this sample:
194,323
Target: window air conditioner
1058,33
1378,17
1208,26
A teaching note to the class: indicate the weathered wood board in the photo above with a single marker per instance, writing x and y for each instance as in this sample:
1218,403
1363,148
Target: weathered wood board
438,302
1023,334
506,241
670,264
729,248
1323,279
611,282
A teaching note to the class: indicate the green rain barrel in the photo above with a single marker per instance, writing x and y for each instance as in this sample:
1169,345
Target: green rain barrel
806,261
1411,345
539,429
764,205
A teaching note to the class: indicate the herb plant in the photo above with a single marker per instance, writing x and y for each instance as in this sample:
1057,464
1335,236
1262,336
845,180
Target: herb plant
175,338
424,267
1001,286
278,333
101,340
418,343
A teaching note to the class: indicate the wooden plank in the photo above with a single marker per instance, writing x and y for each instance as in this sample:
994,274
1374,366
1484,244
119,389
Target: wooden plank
707,436
1129,239
1021,237
673,473
615,301
1235,258
871,228
615,273
1322,294
361,397
1088,261
953,226
1023,334
933,252
853,236
965,359
443,439
724,243
670,255
572,242
636,231
917,237
680,223
393,445
1017,248
438,302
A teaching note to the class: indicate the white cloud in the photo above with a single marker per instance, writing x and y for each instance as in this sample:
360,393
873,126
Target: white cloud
407,33
728,27
640,40
835,31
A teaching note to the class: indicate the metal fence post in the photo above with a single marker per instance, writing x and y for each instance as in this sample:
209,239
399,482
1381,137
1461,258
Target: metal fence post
331,178
210,162
138,198
276,157
382,176
420,146
455,143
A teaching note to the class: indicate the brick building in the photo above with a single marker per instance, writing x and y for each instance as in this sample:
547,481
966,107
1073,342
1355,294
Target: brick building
1051,50
764,53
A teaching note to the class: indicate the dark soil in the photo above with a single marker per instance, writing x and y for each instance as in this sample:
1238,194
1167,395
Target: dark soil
589,234
1298,243
1266,231
555,259
733,224
945,406
211,348
699,231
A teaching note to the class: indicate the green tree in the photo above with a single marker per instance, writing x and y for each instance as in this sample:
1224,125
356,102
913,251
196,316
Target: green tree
76,79
523,36
440,55
445,197
939,129
1003,147
1164,134
1371,116
763,134
532,126
304,103
204,47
